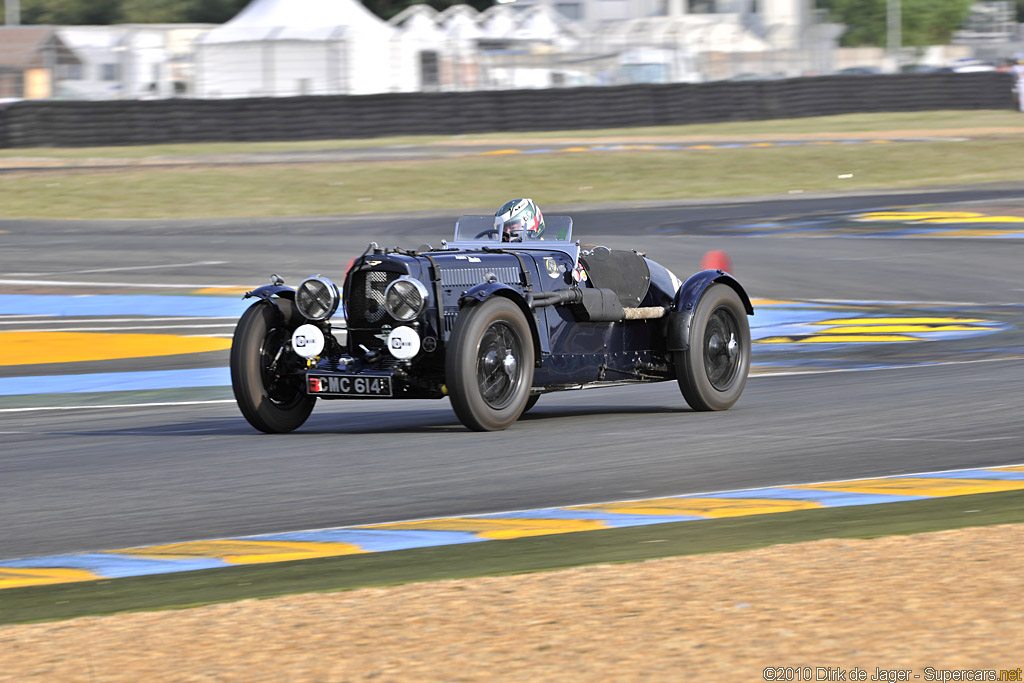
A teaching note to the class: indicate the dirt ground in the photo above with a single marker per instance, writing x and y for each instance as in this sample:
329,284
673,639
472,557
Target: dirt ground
949,600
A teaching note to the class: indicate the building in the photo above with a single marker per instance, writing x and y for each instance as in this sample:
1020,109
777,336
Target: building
33,59
280,48
131,61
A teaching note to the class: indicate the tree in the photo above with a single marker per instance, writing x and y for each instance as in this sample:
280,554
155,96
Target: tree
61,12
925,22
71,12
389,8
180,11
74,12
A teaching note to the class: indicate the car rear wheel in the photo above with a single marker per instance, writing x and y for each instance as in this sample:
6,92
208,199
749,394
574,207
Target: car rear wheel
713,371
271,399
489,365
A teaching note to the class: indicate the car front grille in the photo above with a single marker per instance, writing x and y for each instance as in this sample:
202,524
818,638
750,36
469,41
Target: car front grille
365,298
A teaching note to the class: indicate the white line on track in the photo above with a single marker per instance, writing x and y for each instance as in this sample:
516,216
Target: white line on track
118,406
765,374
49,320
878,302
149,285
927,364
111,270
128,327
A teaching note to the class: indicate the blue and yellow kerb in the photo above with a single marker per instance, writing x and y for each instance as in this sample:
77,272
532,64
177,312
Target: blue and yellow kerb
304,545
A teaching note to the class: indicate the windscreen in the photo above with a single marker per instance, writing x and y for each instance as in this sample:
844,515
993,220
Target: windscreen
481,229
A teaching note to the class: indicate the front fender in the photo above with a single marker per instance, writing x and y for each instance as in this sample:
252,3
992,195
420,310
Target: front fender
680,318
271,293
267,292
482,292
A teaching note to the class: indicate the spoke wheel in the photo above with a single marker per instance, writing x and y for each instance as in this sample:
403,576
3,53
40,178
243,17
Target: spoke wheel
270,397
713,371
489,365
721,348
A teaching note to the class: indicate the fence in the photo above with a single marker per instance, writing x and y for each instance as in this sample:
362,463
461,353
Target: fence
78,123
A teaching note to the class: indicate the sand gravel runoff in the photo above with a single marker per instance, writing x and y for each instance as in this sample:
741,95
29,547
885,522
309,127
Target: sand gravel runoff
931,605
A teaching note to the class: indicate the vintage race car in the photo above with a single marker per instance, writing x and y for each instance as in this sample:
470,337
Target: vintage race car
492,325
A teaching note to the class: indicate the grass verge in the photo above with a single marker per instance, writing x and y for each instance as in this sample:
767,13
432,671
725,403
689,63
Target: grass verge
539,553
204,191
475,181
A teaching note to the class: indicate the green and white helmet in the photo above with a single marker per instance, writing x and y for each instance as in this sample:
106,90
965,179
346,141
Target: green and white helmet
519,220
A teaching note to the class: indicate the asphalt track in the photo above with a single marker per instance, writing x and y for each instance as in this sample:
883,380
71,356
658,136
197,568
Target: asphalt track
97,478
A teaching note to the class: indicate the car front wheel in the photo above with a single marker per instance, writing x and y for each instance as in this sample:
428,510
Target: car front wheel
713,371
489,365
272,399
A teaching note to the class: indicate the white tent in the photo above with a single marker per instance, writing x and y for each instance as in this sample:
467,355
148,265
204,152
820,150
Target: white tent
302,47
459,23
498,21
542,23
436,55
417,29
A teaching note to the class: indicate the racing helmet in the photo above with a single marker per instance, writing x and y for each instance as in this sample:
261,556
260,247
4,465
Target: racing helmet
518,220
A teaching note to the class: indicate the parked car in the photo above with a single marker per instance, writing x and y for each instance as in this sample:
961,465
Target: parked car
493,325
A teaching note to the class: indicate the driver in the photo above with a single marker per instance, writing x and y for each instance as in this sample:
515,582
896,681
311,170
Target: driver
519,220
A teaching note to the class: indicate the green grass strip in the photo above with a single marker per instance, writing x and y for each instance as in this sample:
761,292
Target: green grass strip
989,154
539,553
485,181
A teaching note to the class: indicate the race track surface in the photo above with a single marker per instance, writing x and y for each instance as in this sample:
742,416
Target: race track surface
888,332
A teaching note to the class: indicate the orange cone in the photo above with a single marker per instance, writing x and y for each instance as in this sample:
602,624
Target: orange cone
716,260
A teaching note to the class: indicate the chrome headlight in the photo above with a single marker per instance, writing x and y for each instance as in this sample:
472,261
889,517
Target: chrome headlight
317,298
405,298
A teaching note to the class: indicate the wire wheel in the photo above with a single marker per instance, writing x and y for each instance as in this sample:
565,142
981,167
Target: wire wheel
721,348
283,392
489,364
265,375
497,365
713,370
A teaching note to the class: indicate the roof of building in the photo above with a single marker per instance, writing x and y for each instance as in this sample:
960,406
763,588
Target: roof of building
314,20
26,47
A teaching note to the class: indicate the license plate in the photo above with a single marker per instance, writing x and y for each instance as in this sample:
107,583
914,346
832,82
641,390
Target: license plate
348,385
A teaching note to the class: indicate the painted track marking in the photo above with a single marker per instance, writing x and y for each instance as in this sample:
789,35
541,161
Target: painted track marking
121,268
421,533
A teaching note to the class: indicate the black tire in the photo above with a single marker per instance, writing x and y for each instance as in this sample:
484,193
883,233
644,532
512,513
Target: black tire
489,365
530,403
713,371
271,403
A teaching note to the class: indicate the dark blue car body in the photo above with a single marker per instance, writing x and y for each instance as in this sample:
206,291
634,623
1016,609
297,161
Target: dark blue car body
476,309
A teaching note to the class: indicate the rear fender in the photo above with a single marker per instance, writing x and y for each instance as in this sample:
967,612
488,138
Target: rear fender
680,318
482,292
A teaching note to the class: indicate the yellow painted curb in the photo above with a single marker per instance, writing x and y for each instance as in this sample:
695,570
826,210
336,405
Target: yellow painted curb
33,348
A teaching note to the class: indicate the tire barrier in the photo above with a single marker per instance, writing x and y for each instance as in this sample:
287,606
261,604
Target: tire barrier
132,122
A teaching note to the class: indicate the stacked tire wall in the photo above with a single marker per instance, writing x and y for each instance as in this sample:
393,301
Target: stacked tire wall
82,123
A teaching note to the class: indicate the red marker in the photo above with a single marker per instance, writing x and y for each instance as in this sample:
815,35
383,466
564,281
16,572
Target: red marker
716,260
